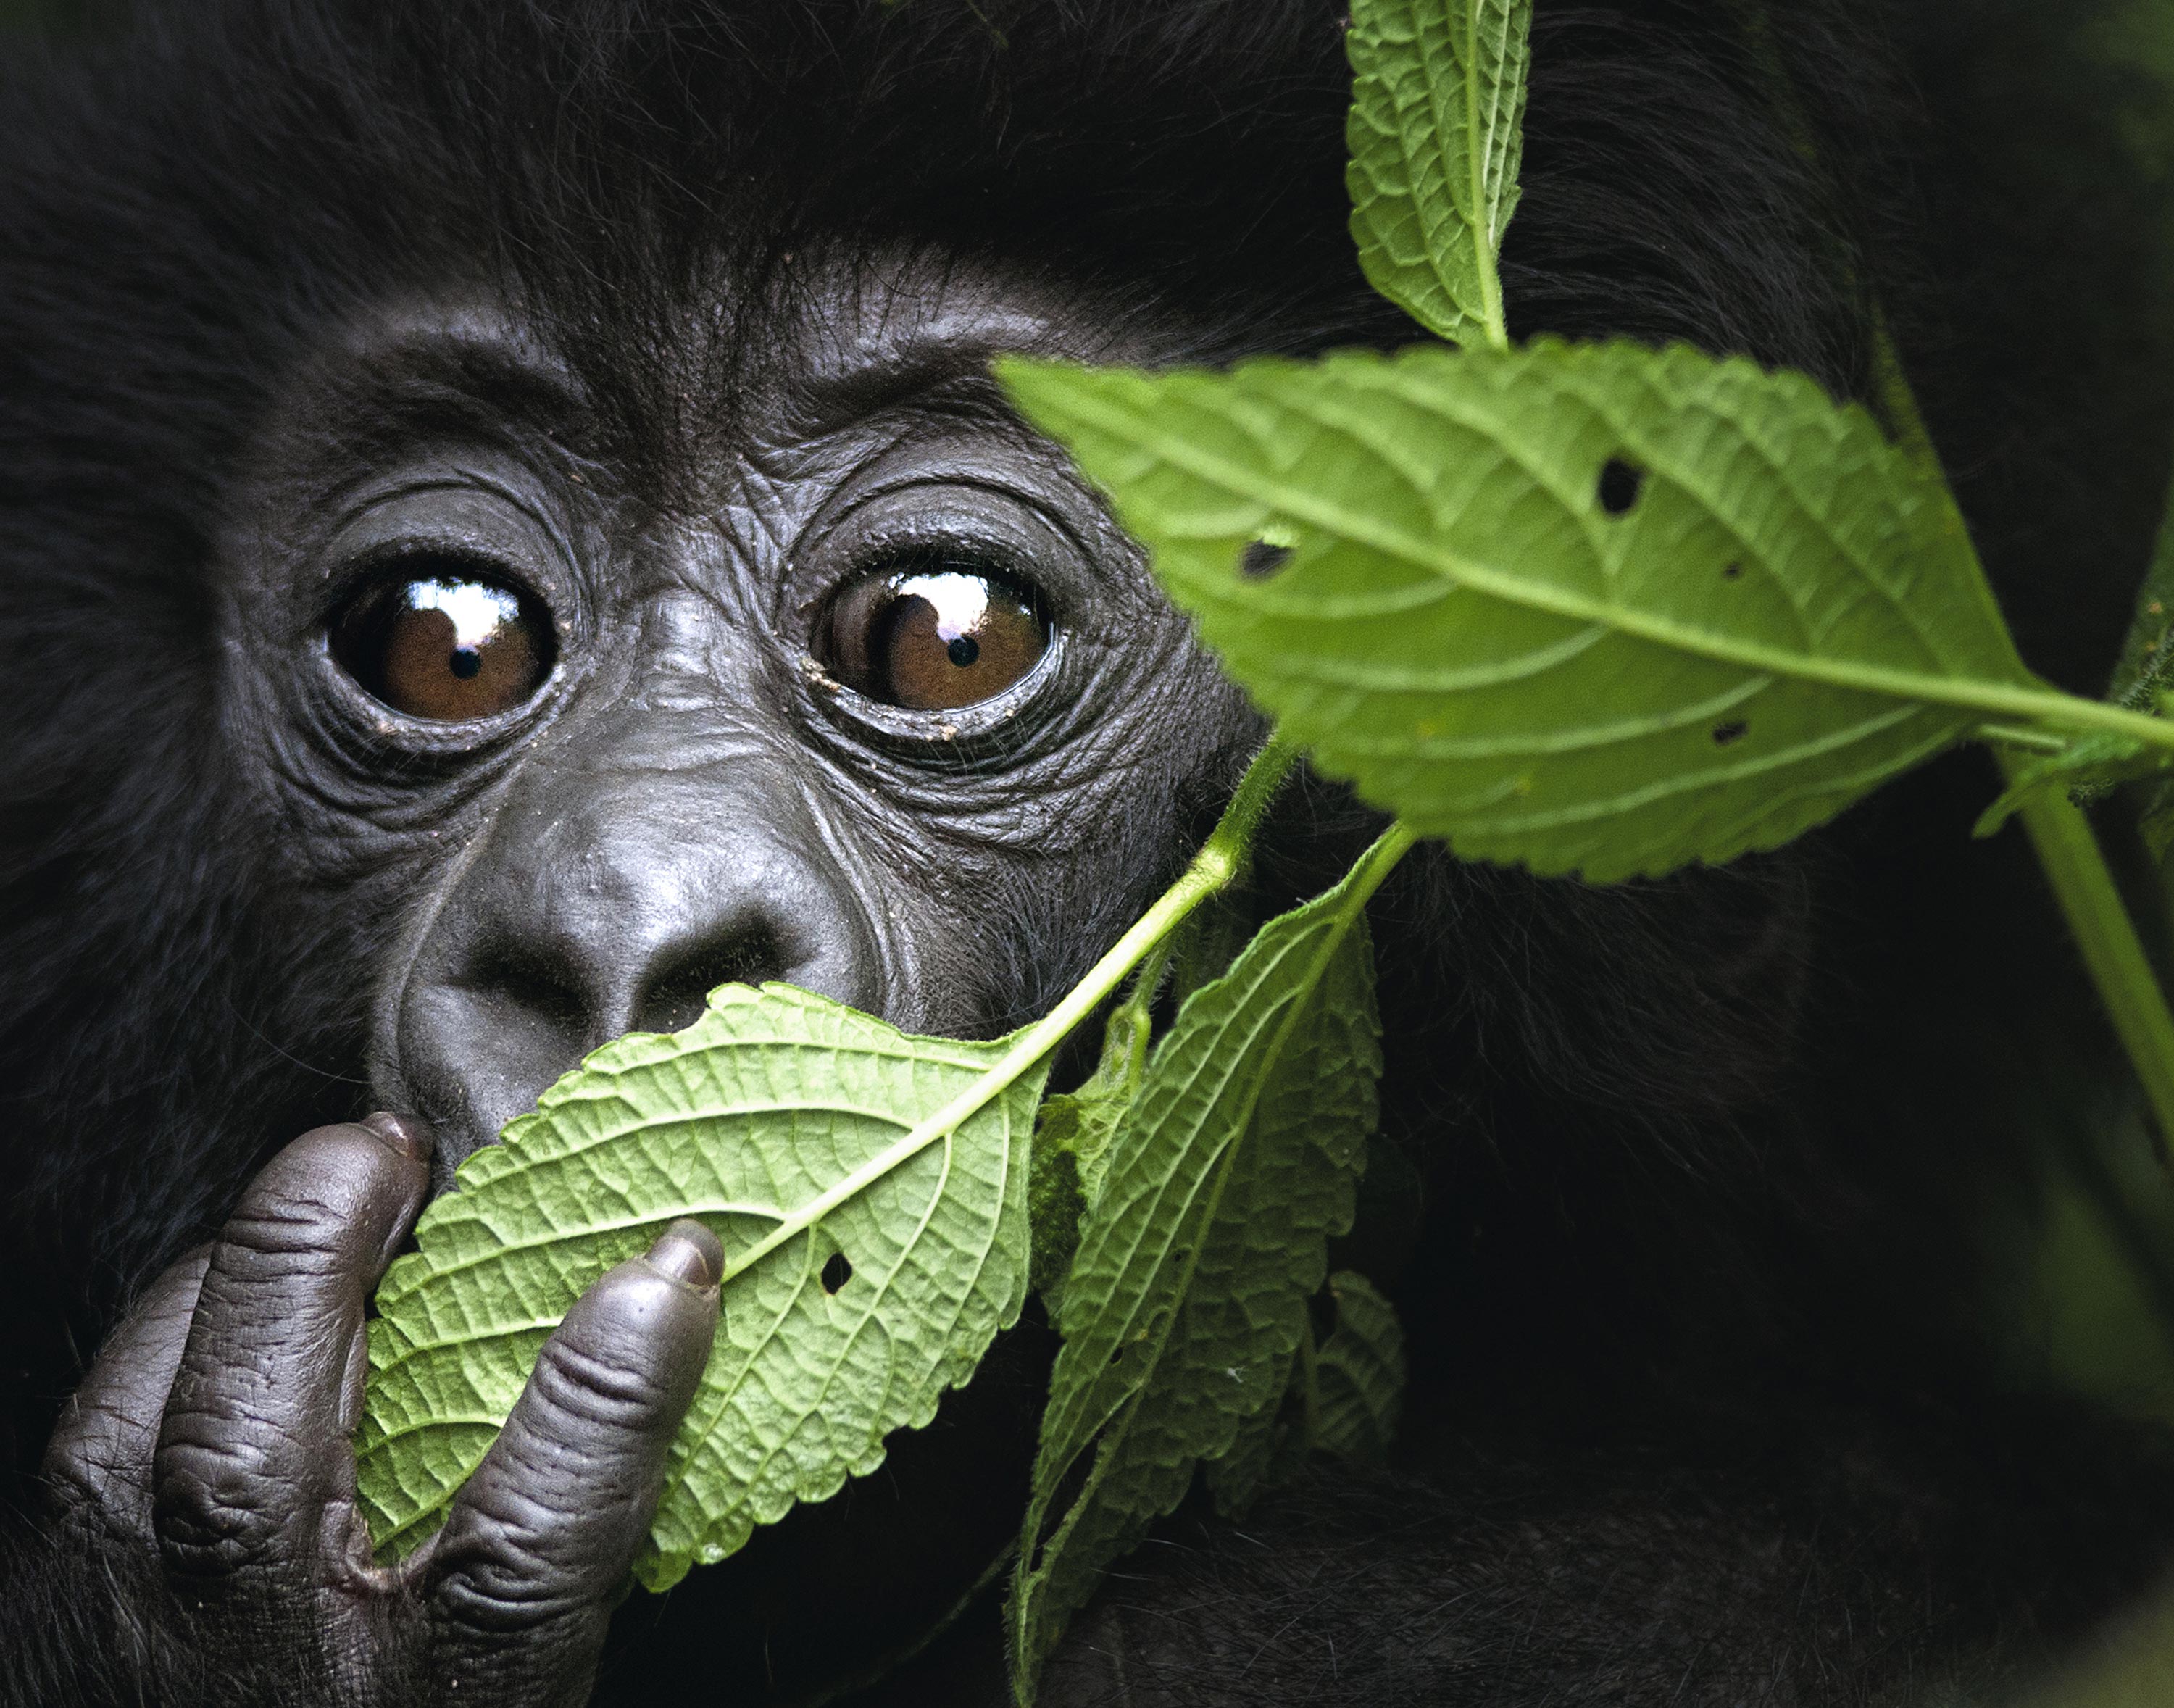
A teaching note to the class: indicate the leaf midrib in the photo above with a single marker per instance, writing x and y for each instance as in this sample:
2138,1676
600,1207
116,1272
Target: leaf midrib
1968,694
1120,1419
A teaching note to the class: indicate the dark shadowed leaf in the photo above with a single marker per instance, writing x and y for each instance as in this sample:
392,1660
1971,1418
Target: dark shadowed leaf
1187,1297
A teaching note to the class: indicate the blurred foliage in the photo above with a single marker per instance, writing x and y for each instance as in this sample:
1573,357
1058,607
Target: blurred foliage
43,17
2134,40
2081,1287
2080,1292
2084,1300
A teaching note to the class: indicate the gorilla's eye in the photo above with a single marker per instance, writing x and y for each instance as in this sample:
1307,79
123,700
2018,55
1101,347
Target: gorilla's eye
934,639
447,646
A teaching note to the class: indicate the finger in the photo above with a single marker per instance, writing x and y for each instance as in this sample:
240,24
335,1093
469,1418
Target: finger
540,1541
102,1447
253,1441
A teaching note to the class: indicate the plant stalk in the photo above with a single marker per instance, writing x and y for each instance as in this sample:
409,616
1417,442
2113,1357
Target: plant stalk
2067,846
1222,860
2069,850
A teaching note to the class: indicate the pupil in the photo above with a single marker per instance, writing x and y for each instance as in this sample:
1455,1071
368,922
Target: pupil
964,651
467,662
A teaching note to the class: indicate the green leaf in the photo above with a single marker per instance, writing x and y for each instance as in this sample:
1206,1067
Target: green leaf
1596,608
1342,1400
1204,949
1270,1448
1358,1373
800,1131
1083,1121
2143,680
1187,1297
2146,669
1435,138
1071,1139
1055,1202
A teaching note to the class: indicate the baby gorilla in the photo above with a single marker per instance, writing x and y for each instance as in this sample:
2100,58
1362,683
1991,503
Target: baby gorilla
509,527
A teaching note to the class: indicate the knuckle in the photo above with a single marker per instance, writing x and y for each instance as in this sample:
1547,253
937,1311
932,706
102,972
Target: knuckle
311,1193
218,1504
601,1374
514,1560
294,1238
89,1470
505,1593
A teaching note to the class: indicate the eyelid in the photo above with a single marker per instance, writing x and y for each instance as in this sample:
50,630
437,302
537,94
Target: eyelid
949,512
470,518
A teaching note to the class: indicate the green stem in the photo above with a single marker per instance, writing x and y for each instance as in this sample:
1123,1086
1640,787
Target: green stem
2085,889
1222,859
1899,398
2073,711
2067,847
1309,1375
1133,1024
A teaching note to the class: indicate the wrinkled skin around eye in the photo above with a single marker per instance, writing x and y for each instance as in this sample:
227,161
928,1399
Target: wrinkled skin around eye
933,640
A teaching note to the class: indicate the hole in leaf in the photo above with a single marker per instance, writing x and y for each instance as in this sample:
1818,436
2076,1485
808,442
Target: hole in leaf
1619,485
1260,561
836,1273
1732,572
1116,1355
1724,734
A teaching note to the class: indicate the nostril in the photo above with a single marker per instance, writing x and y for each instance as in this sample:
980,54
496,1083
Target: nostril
531,979
675,993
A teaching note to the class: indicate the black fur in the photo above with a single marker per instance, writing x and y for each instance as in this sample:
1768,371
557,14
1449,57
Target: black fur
1697,1415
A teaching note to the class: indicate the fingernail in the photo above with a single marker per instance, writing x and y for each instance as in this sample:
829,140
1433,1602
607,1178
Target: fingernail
688,1252
402,1134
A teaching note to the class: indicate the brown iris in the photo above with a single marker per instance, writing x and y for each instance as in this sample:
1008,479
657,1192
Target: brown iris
933,640
447,647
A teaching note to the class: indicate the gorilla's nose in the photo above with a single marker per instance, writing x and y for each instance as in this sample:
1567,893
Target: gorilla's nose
604,905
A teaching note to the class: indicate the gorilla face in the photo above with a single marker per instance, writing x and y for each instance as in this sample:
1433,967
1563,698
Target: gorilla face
839,676
819,667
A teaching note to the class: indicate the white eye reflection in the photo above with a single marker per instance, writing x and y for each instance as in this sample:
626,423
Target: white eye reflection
961,604
476,610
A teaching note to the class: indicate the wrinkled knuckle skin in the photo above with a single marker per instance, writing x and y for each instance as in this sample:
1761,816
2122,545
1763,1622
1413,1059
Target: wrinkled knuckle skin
310,1197
506,1589
216,1509
514,1565
603,1371
86,1504
297,1238
81,1469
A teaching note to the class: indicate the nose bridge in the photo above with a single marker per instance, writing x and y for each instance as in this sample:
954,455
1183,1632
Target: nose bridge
665,844
697,657
669,841
652,832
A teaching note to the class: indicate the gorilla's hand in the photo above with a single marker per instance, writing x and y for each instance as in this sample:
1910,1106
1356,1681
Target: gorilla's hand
210,1443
